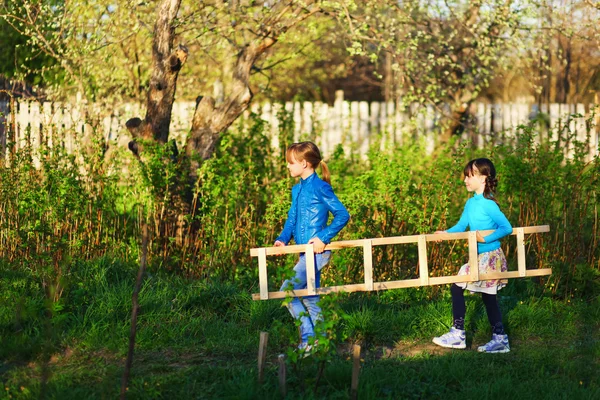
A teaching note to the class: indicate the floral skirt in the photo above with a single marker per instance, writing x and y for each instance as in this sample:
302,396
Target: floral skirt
491,261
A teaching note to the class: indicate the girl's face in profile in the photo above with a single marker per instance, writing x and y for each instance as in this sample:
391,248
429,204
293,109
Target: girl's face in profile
475,182
295,167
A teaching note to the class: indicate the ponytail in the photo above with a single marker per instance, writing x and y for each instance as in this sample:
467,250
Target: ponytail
490,188
326,176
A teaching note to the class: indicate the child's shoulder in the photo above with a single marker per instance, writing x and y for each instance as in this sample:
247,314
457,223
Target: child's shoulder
320,184
489,201
490,204
481,201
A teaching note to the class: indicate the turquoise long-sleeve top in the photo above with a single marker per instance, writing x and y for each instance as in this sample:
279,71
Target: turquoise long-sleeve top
482,214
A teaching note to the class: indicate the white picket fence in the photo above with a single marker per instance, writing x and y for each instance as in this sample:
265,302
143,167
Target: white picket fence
353,124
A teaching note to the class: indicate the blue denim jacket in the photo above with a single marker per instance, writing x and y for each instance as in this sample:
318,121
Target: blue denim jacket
312,200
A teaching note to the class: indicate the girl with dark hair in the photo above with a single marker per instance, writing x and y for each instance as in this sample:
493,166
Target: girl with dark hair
312,201
481,212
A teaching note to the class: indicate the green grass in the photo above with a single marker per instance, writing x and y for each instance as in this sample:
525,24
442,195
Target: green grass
200,341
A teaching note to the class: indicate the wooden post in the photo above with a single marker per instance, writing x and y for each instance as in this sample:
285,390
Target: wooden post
368,258
355,372
13,133
354,121
521,251
481,119
595,136
391,122
363,128
22,124
4,126
135,308
338,116
310,269
282,375
375,117
307,117
423,268
262,354
473,260
297,120
262,274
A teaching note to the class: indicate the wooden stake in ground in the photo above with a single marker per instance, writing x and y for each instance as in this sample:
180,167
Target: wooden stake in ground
355,372
134,310
262,354
282,375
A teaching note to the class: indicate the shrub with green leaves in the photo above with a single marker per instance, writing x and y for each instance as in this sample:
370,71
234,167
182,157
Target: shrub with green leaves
69,208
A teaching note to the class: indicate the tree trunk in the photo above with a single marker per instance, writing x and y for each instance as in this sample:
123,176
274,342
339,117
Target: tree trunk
563,86
210,121
166,64
459,115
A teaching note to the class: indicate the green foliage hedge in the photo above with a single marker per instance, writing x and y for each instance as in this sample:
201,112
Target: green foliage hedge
58,209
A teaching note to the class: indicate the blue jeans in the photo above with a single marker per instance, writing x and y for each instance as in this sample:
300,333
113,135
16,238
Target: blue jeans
306,310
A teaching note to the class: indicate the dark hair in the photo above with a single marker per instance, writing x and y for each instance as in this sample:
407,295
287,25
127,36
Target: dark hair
310,152
485,168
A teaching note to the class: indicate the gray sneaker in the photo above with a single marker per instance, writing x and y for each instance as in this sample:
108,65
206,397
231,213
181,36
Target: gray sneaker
498,344
455,339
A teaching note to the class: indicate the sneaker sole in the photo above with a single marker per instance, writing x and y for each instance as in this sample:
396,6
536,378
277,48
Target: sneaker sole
494,351
450,346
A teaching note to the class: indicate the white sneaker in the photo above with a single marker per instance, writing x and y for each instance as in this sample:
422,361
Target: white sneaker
455,339
498,344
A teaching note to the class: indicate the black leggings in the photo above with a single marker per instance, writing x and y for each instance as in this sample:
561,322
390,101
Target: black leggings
459,309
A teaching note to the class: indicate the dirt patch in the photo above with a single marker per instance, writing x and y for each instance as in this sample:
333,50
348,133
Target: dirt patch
63,356
400,349
413,349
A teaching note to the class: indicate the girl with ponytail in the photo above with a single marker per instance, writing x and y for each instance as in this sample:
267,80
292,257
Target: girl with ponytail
481,212
312,201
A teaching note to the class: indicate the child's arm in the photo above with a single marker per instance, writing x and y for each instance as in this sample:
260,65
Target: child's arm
504,227
288,228
340,214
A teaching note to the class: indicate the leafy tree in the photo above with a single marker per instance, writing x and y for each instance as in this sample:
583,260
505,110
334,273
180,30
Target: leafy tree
563,58
442,53
92,48
558,61
20,61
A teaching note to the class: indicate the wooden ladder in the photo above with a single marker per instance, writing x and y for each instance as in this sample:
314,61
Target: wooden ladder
367,245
